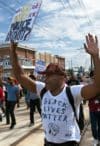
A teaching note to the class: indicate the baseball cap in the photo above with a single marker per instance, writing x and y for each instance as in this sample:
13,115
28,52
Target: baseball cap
53,68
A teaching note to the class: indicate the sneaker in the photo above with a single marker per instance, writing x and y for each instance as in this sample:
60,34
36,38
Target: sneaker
12,126
31,124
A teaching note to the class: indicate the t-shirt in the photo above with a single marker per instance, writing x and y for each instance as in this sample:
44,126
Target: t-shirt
32,96
1,94
94,104
12,92
59,122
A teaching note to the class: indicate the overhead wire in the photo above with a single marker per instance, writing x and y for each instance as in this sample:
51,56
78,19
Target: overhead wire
18,2
81,3
11,10
72,11
72,8
8,7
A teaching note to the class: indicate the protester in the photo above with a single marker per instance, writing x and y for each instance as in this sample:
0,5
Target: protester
58,119
94,108
73,80
20,92
34,103
13,95
27,100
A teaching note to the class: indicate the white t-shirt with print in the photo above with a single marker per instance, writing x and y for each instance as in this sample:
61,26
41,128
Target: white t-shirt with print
59,122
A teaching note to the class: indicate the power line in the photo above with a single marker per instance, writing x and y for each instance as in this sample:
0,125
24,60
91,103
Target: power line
18,2
71,8
6,5
9,9
81,3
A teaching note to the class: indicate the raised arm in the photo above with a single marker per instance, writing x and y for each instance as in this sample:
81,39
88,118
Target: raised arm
19,72
91,47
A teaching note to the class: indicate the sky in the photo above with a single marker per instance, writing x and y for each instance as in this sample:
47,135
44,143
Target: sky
60,27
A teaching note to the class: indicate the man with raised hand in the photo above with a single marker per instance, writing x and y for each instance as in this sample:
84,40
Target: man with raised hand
58,119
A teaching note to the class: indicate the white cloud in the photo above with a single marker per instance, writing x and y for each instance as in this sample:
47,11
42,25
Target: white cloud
2,36
1,18
61,26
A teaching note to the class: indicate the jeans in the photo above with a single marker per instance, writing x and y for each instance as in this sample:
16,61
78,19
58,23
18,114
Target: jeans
34,104
95,124
69,143
10,106
2,106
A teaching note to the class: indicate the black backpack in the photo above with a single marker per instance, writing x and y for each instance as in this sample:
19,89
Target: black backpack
70,98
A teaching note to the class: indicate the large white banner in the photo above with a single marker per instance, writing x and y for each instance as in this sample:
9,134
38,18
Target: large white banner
23,21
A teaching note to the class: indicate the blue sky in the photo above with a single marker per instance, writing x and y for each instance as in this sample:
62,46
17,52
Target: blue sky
60,27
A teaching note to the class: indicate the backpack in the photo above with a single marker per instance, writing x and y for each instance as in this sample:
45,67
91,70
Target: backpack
70,98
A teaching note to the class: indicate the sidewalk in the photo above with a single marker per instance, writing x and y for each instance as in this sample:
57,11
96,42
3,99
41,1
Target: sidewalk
11,137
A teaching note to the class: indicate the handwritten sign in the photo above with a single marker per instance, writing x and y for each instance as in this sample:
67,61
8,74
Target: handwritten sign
23,21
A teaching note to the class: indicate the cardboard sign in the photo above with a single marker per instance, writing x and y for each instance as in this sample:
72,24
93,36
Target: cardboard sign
23,21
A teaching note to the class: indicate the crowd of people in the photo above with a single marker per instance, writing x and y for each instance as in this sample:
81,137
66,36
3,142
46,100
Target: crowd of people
61,110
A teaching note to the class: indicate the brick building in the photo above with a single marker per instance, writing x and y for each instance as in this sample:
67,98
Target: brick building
26,58
48,58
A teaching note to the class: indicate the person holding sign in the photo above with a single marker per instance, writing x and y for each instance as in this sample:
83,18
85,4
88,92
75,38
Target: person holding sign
58,119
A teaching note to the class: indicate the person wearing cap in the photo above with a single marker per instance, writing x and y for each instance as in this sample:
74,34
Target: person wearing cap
58,120
12,96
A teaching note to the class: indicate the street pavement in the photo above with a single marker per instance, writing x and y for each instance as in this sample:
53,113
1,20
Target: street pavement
21,130
36,138
87,139
23,135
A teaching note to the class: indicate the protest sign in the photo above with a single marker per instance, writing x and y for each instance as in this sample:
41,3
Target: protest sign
40,65
23,21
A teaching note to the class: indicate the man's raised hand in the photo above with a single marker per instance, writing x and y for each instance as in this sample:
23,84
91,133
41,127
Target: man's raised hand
91,45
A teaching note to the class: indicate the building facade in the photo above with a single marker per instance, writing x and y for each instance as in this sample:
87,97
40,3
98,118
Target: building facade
28,57
49,58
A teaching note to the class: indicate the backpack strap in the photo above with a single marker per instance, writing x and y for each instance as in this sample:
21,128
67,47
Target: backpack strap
71,101
70,98
43,91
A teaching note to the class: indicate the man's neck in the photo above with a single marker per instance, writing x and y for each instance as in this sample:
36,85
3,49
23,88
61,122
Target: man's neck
57,90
